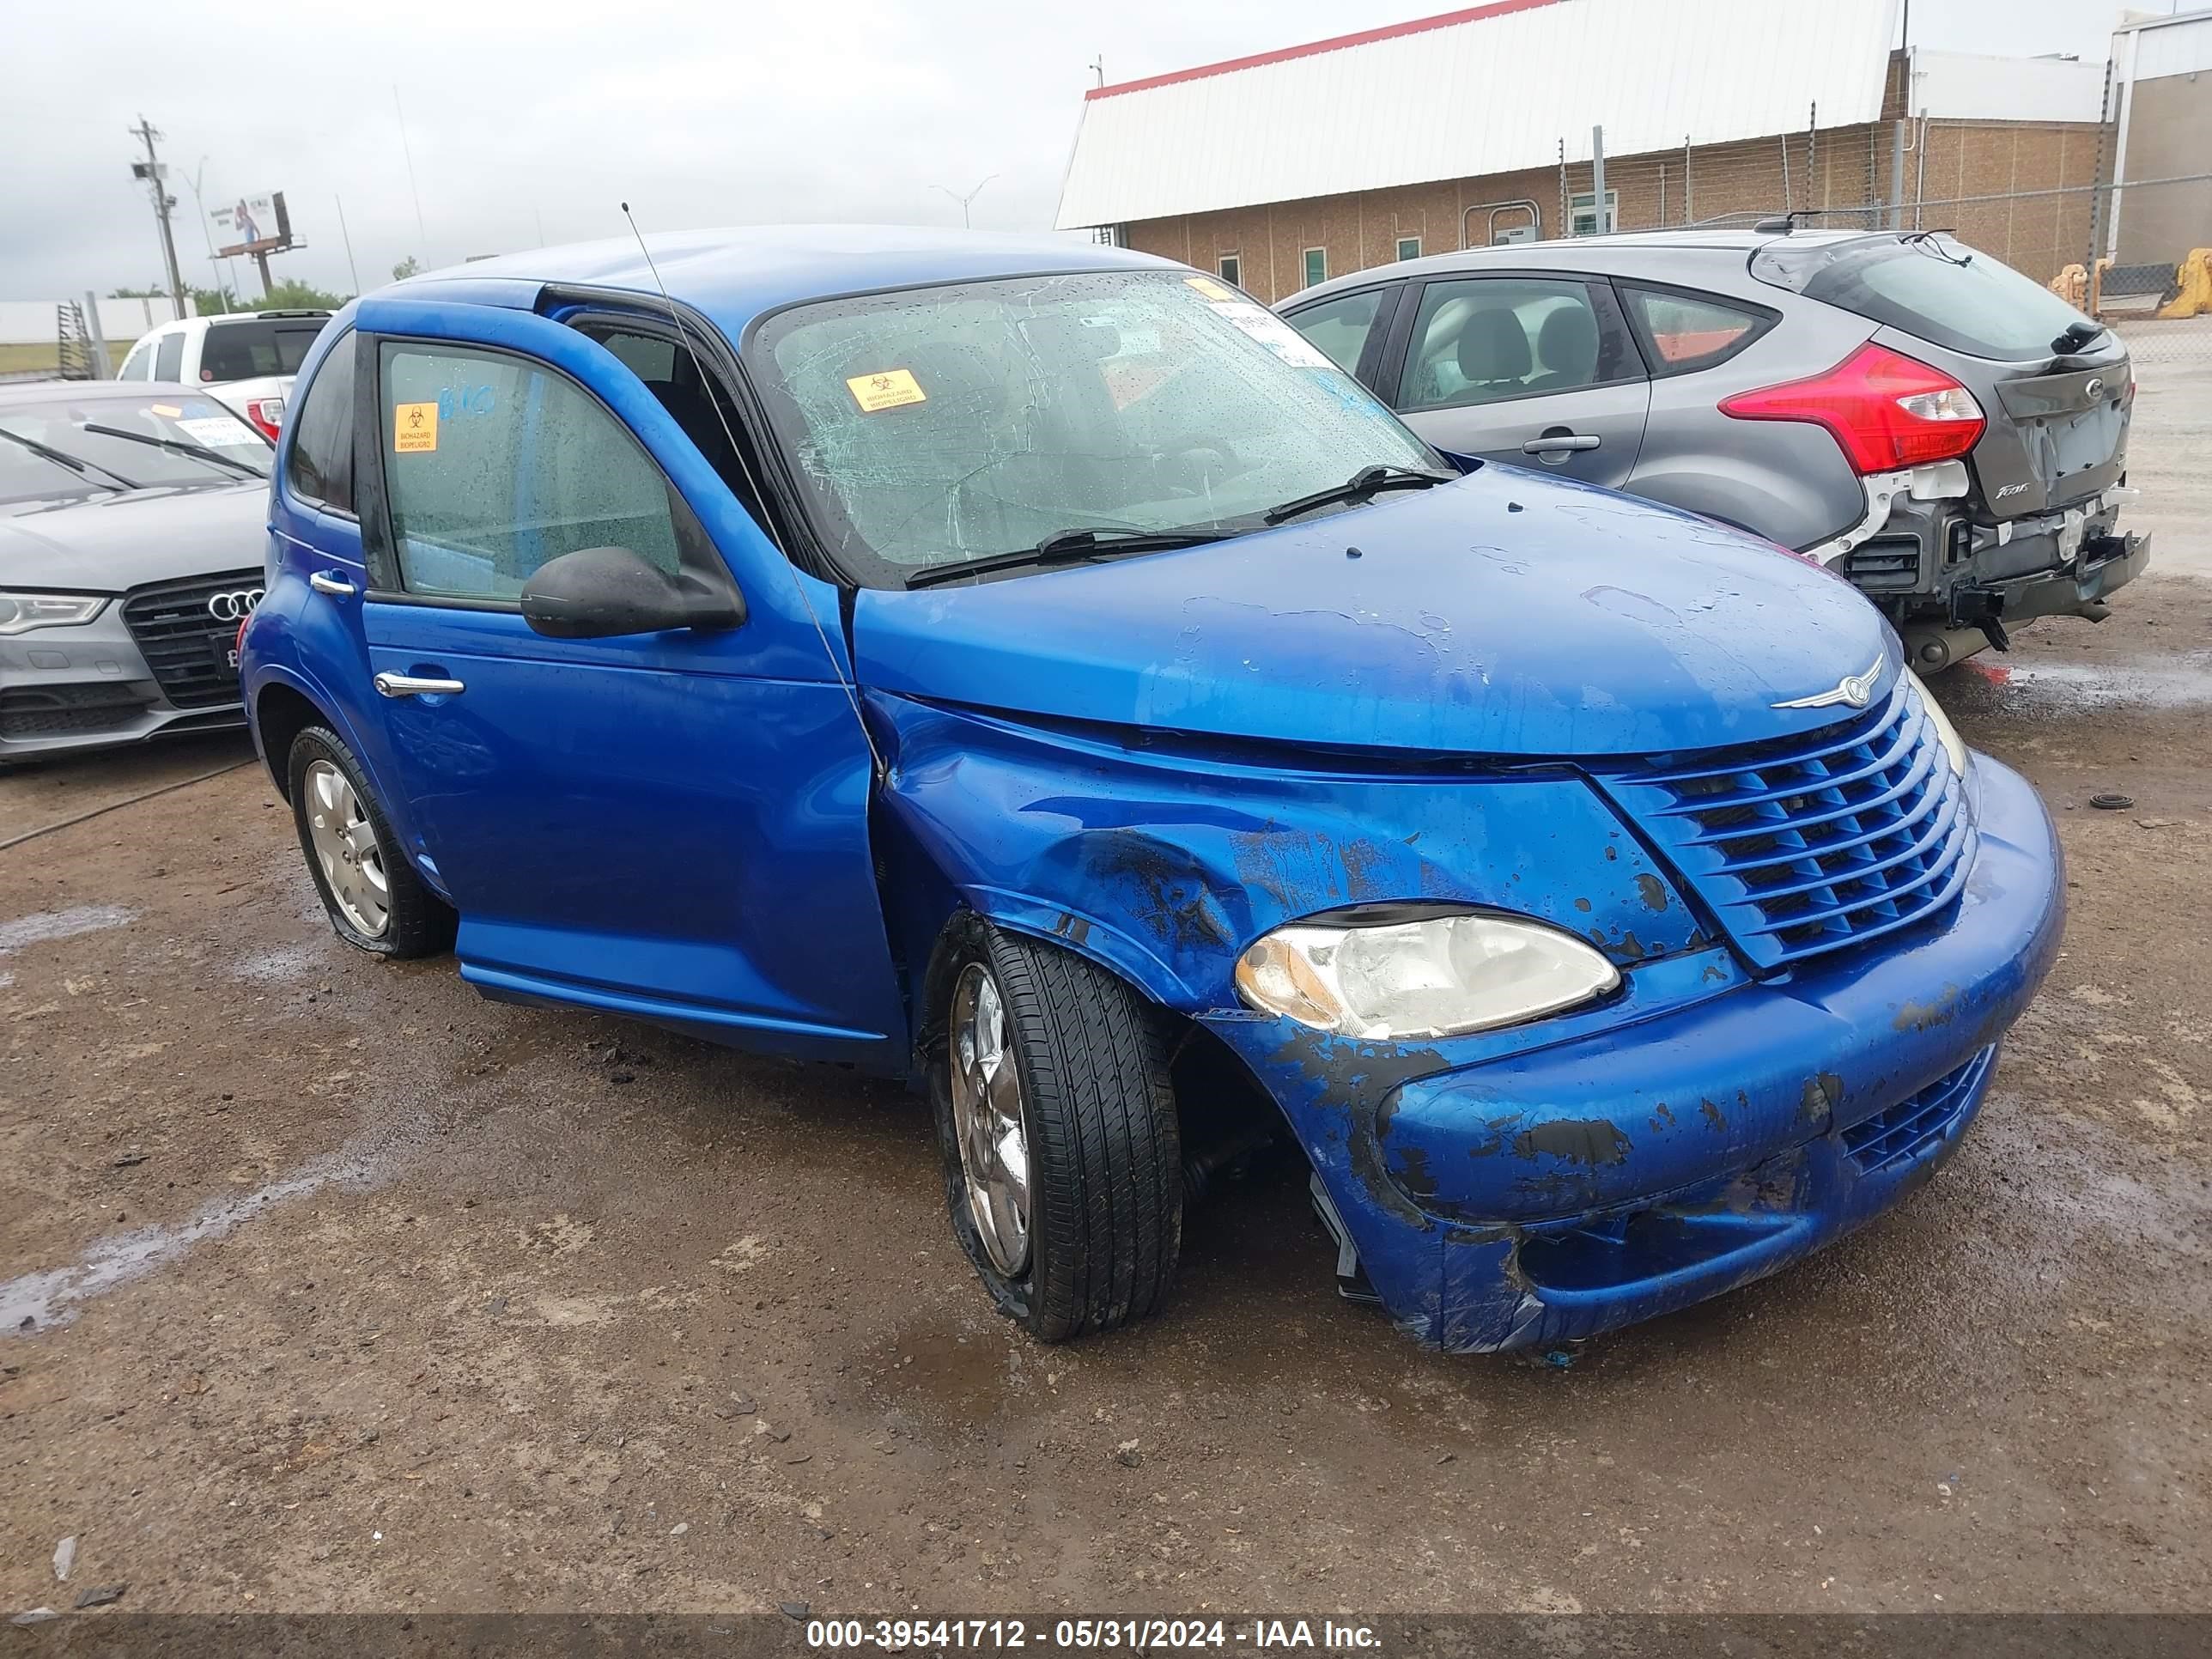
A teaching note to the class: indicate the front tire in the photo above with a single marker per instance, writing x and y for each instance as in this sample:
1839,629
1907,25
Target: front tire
1056,1121
375,901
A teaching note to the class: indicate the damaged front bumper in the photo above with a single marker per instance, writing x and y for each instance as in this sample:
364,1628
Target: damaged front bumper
1704,1131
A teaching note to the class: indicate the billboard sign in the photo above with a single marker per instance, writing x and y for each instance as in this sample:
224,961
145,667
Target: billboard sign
252,224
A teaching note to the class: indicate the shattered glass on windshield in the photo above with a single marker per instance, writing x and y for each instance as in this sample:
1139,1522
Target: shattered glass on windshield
947,424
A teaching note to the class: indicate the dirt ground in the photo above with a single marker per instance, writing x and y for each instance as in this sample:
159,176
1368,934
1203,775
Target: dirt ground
353,1291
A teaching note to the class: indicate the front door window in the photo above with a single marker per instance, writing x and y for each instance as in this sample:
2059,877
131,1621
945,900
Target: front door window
496,465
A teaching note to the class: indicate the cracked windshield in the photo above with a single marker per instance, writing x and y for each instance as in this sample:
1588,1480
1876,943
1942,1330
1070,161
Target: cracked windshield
948,425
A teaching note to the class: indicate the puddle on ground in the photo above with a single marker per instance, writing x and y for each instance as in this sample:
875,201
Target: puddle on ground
33,1302
2172,682
941,1384
61,924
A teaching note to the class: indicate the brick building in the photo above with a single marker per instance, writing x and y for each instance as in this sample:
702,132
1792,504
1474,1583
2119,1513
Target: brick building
1476,126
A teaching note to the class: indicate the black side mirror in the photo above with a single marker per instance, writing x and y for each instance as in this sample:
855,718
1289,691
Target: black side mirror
597,593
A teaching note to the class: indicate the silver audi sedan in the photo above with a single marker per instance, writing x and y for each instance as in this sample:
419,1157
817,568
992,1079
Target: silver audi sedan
132,523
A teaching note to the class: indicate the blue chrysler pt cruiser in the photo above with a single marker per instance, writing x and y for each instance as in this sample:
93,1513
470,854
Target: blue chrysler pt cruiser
1031,669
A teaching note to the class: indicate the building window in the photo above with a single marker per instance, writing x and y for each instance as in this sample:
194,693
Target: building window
1316,265
1582,214
1232,270
1409,247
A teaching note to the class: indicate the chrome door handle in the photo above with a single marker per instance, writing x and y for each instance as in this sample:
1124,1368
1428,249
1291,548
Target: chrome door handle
412,685
1559,445
323,582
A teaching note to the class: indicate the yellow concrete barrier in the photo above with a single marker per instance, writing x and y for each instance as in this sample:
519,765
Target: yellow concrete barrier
2193,277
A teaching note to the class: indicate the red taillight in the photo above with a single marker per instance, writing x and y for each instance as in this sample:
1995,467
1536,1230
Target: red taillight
238,644
268,414
1887,410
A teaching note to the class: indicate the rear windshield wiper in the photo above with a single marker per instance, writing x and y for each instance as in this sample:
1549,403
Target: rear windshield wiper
62,458
2077,337
198,452
1066,547
1925,242
1359,487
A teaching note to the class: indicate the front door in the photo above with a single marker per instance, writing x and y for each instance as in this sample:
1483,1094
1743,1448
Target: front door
671,825
1534,371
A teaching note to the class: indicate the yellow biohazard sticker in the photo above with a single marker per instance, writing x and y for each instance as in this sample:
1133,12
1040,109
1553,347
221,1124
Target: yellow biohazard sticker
1212,289
887,389
169,410
414,428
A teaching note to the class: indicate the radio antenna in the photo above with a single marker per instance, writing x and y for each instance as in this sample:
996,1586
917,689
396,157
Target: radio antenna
752,483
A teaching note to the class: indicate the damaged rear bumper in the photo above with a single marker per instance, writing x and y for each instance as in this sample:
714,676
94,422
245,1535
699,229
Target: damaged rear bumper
1712,1130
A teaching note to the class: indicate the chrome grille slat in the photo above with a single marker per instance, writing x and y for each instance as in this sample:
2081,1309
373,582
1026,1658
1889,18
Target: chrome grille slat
1801,847
1833,740
1904,741
1929,834
170,623
1803,821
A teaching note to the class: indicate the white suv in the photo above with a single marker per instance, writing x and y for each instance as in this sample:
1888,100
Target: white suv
245,361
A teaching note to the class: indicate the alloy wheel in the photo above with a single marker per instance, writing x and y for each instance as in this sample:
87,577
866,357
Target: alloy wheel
988,1118
345,846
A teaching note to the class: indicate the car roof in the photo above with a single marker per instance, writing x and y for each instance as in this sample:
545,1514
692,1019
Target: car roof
40,392
1622,251
733,275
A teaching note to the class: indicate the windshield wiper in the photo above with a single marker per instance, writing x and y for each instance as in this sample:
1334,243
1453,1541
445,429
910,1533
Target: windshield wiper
1066,547
1359,487
198,452
62,458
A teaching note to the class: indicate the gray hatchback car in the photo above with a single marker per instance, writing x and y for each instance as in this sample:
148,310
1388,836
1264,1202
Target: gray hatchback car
133,522
1912,413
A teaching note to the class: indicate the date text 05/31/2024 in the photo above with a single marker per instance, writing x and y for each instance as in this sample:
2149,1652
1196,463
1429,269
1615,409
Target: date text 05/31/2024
896,1635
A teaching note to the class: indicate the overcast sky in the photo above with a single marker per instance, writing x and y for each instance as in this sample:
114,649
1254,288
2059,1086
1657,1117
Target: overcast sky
529,119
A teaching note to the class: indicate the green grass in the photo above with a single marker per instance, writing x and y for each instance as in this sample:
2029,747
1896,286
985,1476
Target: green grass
14,359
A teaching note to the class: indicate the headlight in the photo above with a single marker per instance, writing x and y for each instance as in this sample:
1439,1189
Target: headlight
1437,976
22,612
1953,744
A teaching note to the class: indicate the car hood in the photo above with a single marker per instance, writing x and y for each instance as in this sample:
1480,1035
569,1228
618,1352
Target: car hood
1504,614
111,543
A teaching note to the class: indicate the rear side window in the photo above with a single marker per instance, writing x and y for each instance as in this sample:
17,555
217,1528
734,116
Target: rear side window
1489,338
322,441
1684,332
1928,285
246,351
494,465
1341,327
169,357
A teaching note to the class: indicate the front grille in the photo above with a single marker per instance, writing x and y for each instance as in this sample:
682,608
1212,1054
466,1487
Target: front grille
53,711
1917,1123
1805,845
186,645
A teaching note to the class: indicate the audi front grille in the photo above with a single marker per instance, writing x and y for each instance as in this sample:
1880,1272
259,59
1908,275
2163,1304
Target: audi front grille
185,631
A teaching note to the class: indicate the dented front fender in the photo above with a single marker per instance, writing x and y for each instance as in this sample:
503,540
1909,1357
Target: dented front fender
1165,861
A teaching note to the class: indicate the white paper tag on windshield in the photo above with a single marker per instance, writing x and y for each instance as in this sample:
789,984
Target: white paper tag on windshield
1273,332
219,431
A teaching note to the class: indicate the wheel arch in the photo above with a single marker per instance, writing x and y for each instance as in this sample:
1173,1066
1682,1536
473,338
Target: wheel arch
281,712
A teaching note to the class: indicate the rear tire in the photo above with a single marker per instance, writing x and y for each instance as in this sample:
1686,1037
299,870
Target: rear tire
1081,1070
375,901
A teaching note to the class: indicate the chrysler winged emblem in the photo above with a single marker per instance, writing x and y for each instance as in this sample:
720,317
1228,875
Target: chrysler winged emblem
1853,690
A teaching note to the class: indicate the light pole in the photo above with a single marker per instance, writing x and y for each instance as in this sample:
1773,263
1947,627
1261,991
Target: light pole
157,176
965,200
